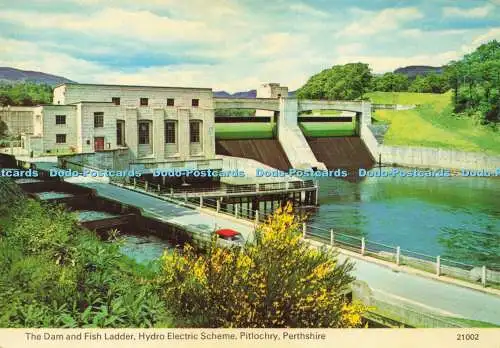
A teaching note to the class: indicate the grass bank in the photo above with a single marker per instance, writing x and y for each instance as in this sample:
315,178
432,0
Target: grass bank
433,123
56,274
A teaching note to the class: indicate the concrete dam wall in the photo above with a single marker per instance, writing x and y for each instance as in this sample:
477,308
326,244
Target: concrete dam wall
267,151
341,152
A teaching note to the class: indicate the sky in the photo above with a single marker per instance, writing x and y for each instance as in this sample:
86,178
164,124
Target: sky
235,45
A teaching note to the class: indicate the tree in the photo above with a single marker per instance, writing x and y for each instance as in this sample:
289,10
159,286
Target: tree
25,94
431,83
235,112
4,129
390,82
276,281
475,80
341,82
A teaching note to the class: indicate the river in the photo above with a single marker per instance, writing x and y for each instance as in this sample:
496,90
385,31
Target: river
455,217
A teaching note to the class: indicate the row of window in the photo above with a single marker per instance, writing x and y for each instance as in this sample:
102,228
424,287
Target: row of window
145,101
170,132
98,118
144,133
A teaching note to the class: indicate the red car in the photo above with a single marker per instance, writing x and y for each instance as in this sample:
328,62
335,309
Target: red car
229,234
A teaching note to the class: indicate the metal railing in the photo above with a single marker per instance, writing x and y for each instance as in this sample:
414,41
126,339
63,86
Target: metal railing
224,190
403,257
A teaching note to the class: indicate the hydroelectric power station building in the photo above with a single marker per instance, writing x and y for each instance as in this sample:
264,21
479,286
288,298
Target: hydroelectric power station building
147,127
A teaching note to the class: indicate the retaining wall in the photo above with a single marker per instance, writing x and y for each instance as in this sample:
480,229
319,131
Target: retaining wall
435,157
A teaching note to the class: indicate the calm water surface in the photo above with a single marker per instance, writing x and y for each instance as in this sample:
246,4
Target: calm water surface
455,217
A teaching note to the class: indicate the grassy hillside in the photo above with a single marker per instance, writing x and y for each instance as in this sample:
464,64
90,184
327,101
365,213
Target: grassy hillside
432,123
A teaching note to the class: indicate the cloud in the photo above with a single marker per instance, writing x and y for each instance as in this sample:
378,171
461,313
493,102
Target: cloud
386,20
381,64
349,49
475,12
29,56
227,44
491,34
143,25
419,33
307,10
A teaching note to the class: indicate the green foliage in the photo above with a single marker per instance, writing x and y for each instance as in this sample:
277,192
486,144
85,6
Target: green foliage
340,82
433,123
25,94
276,281
4,129
475,80
235,112
431,83
390,82
55,274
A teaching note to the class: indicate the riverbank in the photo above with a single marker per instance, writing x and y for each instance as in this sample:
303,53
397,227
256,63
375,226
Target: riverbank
57,274
432,124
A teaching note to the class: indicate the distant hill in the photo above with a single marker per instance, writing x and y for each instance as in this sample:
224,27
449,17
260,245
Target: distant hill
248,94
12,75
413,71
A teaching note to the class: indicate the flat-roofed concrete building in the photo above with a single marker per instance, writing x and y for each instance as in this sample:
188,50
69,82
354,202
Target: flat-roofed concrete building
160,126
270,90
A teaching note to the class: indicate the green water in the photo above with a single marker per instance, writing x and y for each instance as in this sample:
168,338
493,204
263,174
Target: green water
92,215
144,248
457,218
53,195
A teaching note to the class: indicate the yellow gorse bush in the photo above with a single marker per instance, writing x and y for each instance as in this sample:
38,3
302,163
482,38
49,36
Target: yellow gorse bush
276,281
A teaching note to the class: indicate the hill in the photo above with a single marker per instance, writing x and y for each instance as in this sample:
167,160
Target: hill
248,94
413,71
12,75
432,123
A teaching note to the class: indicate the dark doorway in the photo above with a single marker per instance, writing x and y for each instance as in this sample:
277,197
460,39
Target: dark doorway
98,143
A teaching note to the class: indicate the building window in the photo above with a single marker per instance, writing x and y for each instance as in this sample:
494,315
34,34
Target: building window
98,119
60,138
120,135
170,102
144,101
170,132
60,119
195,131
143,133
195,102
115,100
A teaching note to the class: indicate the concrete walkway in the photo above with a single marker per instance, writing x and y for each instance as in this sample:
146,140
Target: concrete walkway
172,213
425,294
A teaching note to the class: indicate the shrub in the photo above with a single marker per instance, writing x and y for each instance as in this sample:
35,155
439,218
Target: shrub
56,274
277,281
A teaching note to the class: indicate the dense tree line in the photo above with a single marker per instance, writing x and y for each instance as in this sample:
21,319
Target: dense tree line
25,94
349,81
235,112
475,80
